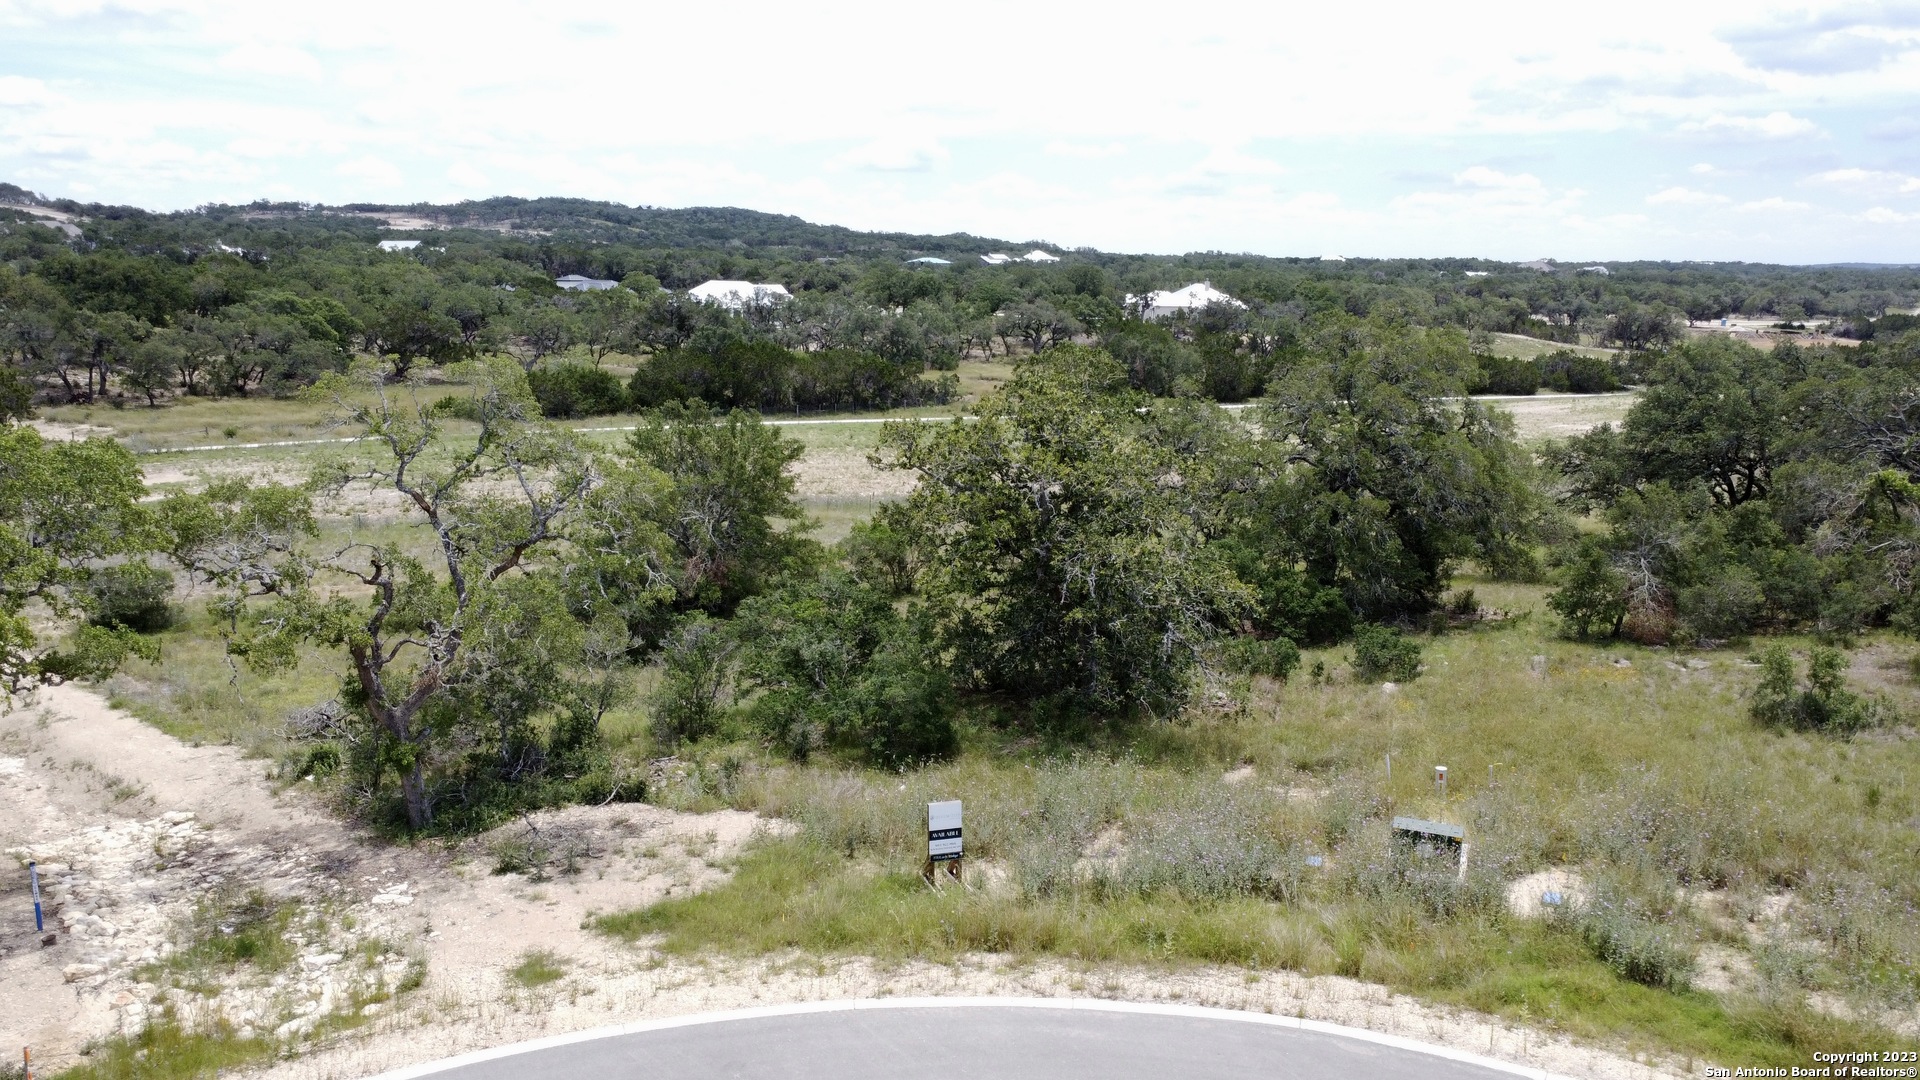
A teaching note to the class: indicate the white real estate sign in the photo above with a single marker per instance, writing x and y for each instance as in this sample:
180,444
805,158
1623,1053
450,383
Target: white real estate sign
943,831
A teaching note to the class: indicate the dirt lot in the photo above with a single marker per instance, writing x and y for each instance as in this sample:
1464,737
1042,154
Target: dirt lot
1557,416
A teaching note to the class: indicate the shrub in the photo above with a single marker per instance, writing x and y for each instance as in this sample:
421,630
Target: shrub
1575,373
1287,603
757,374
1407,874
566,391
321,760
1504,375
131,596
1071,805
1824,704
1673,830
841,669
537,968
16,396
881,553
1210,848
1625,939
698,667
904,704
1275,657
1724,607
455,407
1383,654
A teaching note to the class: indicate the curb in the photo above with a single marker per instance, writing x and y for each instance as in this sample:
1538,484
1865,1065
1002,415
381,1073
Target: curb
1195,1012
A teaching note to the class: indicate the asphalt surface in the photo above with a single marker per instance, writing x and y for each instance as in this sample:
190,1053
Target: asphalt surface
984,1042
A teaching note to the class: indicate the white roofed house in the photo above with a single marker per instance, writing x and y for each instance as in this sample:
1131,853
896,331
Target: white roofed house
996,259
734,295
1038,256
582,283
399,245
1160,305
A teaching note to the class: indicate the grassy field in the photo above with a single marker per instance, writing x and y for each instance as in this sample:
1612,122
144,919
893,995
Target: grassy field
1521,347
1763,880
1755,889
195,422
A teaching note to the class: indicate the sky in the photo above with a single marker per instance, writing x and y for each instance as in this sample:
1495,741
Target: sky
1674,130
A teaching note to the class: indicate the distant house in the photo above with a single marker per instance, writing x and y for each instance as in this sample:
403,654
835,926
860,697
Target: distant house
996,259
1333,258
734,295
1159,305
928,260
582,283
1595,270
1475,273
1038,256
399,245
1544,266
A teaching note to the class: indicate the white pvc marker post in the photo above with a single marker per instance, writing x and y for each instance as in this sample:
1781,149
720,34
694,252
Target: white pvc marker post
944,843
1440,779
33,876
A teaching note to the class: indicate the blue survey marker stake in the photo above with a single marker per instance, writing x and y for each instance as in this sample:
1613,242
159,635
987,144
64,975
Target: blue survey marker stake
33,875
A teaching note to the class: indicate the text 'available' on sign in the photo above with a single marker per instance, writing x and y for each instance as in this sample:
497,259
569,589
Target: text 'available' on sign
943,831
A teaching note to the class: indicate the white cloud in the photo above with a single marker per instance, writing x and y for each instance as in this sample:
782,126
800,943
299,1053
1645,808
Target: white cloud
376,172
1881,215
1479,176
174,102
261,149
1773,204
1868,179
19,92
1775,125
1484,199
1680,196
1844,38
1221,171
274,60
894,155
1065,148
466,176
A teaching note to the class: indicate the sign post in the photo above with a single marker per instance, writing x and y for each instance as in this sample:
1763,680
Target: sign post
943,839
33,875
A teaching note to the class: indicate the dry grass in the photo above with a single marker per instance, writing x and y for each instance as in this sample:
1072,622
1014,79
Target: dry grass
1649,776
1521,347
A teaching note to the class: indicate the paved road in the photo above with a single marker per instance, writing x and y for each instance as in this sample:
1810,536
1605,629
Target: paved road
977,1042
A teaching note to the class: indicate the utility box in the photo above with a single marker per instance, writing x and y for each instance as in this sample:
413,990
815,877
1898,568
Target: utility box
1430,838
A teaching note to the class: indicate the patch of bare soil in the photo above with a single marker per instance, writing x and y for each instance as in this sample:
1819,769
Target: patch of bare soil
134,831
355,500
1886,671
846,473
1532,896
170,472
1558,416
57,431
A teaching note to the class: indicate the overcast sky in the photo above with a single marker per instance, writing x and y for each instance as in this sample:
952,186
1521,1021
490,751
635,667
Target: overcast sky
1681,129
